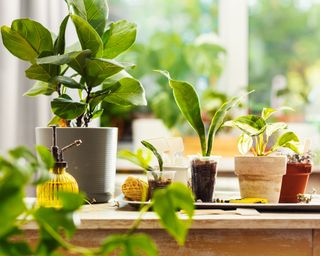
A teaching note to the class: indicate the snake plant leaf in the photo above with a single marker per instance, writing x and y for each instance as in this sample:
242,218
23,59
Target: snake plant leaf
127,91
218,118
88,37
41,88
67,108
95,12
97,70
267,112
165,204
129,245
60,42
250,124
155,152
245,142
189,105
274,127
118,38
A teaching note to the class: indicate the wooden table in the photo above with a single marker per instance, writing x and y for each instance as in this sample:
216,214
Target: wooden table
274,234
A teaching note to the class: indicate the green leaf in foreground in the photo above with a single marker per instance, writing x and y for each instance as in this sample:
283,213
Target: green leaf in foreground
169,200
40,88
129,245
45,156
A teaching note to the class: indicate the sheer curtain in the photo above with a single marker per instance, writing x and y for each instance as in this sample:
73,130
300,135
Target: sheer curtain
19,115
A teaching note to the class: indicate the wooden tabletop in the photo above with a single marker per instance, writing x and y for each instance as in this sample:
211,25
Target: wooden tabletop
106,216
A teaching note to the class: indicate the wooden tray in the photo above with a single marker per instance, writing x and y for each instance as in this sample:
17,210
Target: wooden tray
280,207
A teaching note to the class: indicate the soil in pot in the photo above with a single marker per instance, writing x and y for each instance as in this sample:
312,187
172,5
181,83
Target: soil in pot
159,180
203,178
294,182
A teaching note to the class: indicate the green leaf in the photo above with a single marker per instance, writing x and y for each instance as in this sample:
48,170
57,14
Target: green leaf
60,42
293,146
93,11
245,142
38,72
78,61
129,245
127,91
26,39
165,204
274,127
88,37
217,120
155,152
189,105
17,44
140,158
41,88
97,70
287,137
97,113
71,201
251,124
67,81
118,38
267,112
54,120
37,35
45,156
67,108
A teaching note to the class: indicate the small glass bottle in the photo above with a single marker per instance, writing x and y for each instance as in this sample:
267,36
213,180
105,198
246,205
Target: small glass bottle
61,180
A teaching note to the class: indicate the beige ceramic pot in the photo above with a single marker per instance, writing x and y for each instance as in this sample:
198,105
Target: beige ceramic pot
260,176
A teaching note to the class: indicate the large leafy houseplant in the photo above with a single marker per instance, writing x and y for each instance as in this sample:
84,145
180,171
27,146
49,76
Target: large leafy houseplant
93,72
57,225
203,169
260,175
59,69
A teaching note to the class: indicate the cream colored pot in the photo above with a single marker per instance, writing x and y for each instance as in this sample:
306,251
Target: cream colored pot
260,176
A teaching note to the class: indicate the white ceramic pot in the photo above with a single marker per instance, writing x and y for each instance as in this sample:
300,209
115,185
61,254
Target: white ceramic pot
93,163
182,173
260,176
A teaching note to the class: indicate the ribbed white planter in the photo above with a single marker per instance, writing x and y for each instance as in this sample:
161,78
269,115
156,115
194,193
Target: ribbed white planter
93,163
260,176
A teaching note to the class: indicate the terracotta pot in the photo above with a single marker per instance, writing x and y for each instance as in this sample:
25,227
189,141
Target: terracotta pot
294,182
260,176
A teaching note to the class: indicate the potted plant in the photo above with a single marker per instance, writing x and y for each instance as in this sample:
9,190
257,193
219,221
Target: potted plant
157,177
260,174
204,167
295,180
93,72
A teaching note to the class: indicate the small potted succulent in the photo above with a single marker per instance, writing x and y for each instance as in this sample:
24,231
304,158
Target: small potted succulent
88,69
204,167
295,180
157,177
260,174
